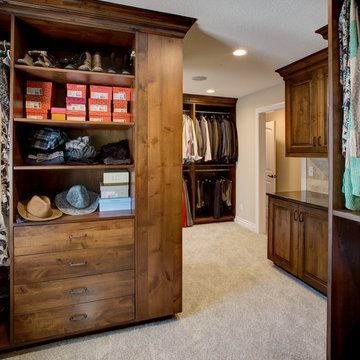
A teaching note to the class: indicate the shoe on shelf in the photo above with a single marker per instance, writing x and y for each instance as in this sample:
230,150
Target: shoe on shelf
97,63
128,63
43,58
26,60
39,61
85,61
70,62
112,68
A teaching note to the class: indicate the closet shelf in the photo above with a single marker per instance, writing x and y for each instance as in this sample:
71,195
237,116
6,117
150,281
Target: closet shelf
210,219
95,216
63,76
76,124
347,214
73,167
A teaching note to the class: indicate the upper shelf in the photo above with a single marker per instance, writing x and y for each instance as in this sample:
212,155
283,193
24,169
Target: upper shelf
63,76
77,124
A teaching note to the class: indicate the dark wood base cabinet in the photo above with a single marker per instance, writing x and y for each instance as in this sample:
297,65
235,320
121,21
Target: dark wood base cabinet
79,274
297,241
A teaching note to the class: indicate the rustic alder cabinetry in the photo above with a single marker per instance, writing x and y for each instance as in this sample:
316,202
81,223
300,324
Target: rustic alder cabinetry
306,90
297,240
89,272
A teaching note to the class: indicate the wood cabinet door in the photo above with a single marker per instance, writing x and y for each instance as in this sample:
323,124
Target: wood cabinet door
320,101
300,114
283,234
313,247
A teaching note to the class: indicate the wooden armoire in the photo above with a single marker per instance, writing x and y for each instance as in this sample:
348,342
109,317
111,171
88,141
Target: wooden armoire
79,274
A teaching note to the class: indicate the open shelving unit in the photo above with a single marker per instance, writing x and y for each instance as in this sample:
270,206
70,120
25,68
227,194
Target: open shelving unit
197,104
117,254
343,330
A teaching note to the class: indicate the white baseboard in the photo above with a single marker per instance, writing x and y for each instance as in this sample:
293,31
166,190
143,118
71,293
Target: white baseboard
246,224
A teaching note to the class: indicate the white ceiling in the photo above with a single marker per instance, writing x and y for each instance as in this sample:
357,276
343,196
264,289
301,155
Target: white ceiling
275,33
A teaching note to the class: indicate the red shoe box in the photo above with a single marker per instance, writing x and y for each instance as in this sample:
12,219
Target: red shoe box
100,118
76,91
100,92
76,115
121,93
37,115
121,117
41,89
120,106
75,104
100,107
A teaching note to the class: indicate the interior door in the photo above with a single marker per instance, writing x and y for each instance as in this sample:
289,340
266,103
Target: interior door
270,167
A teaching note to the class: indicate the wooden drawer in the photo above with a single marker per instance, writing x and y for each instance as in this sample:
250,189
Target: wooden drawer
71,319
72,291
73,236
69,264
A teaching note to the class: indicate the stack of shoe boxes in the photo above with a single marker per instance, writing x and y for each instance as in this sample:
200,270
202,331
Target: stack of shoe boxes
121,98
76,102
114,191
100,103
39,98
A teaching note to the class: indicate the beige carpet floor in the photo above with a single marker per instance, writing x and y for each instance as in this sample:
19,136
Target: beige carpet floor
236,305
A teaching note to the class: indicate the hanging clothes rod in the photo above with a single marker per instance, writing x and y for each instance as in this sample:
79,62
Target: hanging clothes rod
212,112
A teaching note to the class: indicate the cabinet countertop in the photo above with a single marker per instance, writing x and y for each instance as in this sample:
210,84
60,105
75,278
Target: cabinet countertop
304,197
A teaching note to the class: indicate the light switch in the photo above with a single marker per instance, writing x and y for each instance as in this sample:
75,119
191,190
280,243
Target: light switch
311,171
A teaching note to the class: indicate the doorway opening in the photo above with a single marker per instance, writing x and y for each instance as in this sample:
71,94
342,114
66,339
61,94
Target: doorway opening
274,171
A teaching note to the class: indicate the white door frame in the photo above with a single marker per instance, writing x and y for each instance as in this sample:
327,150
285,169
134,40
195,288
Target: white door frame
260,184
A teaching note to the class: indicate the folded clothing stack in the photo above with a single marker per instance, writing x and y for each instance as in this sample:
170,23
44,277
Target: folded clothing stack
117,153
80,151
46,147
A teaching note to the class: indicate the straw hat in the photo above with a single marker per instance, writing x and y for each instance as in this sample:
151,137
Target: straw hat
38,208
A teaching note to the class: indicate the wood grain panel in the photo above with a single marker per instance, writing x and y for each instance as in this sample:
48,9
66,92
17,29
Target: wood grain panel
66,320
313,244
283,234
60,265
72,291
158,175
300,114
73,236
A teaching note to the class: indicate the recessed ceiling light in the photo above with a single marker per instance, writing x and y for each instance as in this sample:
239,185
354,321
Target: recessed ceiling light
199,78
210,91
240,52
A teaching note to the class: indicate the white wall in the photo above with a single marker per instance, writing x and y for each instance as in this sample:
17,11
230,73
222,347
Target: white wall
245,171
288,169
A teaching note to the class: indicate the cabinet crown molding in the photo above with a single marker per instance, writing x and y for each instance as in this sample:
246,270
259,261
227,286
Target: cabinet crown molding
101,14
309,62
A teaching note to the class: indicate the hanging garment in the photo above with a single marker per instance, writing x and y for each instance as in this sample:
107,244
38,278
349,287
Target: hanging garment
344,49
206,139
351,179
199,139
190,147
189,220
183,207
226,191
4,154
217,200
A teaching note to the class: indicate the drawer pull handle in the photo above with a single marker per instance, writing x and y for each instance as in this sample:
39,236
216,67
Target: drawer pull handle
78,264
301,217
78,291
314,141
78,317
295,215
319,140
77,237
